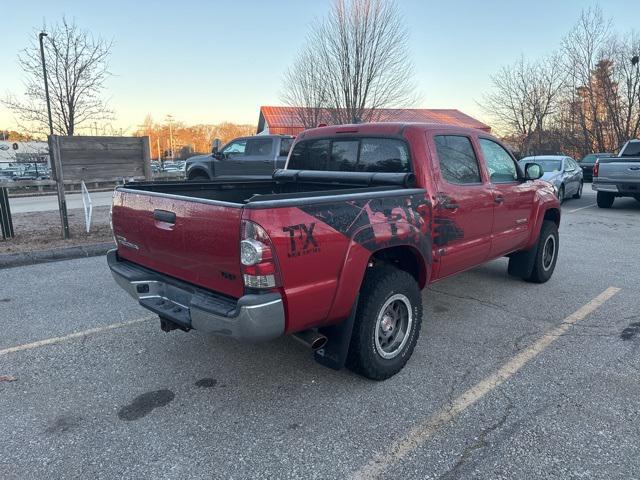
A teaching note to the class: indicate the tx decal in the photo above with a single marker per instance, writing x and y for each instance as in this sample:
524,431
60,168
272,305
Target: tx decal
301,239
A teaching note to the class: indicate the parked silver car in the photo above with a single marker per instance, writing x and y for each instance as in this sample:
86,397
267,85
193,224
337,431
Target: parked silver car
562,172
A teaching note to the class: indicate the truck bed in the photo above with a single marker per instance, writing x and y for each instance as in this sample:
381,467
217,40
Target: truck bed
191,230
285,185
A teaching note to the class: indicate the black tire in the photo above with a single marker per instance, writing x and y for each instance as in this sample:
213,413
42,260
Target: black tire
381,285
578,194
605,199
198,177
543,264
561,194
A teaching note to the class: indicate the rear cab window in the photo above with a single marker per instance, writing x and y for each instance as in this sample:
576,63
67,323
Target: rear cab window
285,146
352,154
259,146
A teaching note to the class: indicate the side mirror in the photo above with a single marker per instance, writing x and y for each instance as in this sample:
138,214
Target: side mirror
215,148
533,171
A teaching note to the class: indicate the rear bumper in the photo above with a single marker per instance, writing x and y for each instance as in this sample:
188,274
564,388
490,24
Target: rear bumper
251,318
627,189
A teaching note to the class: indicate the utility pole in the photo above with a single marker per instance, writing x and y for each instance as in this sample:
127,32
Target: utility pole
55,162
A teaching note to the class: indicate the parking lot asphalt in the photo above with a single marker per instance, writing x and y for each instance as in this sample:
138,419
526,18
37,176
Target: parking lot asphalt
509,380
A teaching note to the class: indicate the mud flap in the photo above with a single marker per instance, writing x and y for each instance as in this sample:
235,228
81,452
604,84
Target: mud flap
334,353
521,263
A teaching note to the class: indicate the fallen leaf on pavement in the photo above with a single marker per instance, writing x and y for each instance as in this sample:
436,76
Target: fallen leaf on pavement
7,378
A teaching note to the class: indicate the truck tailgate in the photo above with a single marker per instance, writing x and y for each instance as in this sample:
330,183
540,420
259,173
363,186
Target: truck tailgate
197,242
624,170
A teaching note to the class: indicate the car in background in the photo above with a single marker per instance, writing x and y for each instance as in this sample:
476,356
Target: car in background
618,176
259,155
561,171
587,163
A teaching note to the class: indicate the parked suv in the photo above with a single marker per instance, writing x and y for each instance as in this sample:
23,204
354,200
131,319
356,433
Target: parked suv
257,155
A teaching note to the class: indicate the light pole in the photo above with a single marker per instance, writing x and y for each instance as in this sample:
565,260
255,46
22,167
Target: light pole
62,203
170,121
46,82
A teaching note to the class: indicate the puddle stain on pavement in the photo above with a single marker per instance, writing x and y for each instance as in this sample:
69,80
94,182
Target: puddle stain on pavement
631,331
206,383
144,404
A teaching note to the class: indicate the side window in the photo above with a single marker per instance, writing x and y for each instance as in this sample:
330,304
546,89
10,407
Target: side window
310,155
502,168
285,146
458,163
383,155
344,155
259,146
235,148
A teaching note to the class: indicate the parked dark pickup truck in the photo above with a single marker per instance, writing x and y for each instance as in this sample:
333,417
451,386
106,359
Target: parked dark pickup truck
335,248
258,155
618,176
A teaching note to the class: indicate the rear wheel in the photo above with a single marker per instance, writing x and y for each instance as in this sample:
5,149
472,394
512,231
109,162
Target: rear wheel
387,323
605,199
546,253
578,194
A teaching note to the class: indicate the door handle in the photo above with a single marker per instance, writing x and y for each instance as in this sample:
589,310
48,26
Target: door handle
164,216
499,199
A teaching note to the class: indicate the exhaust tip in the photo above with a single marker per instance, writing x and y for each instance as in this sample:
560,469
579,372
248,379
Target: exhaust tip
319,342
311,339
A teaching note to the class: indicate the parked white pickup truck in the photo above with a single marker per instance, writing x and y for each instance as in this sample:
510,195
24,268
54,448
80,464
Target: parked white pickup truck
618,176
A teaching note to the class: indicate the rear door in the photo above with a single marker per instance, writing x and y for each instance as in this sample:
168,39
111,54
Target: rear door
513,198
197,242
463,213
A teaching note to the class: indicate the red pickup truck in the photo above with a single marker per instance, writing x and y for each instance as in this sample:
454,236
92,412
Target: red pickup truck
335,248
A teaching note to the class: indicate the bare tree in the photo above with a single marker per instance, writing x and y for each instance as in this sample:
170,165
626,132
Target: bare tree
523,98
306,90
619,80
77,68
583,51
355,62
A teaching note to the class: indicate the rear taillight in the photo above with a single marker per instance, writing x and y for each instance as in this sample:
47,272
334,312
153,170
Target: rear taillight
596,168
257,257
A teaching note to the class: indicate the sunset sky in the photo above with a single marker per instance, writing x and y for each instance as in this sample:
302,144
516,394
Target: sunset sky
208,62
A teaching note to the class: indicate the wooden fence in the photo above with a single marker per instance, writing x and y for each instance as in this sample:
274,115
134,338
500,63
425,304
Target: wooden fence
91,160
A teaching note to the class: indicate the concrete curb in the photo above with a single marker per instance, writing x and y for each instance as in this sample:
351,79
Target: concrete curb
10,260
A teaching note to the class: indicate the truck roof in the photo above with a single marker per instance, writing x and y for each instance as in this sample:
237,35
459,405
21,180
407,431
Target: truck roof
383,128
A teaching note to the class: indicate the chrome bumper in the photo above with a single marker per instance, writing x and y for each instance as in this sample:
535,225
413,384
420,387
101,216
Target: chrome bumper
251,318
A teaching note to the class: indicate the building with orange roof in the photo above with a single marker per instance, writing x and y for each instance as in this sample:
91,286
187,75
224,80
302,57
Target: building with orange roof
286,120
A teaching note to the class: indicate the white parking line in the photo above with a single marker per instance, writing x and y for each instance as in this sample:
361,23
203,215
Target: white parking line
83,333
582,208
422,432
